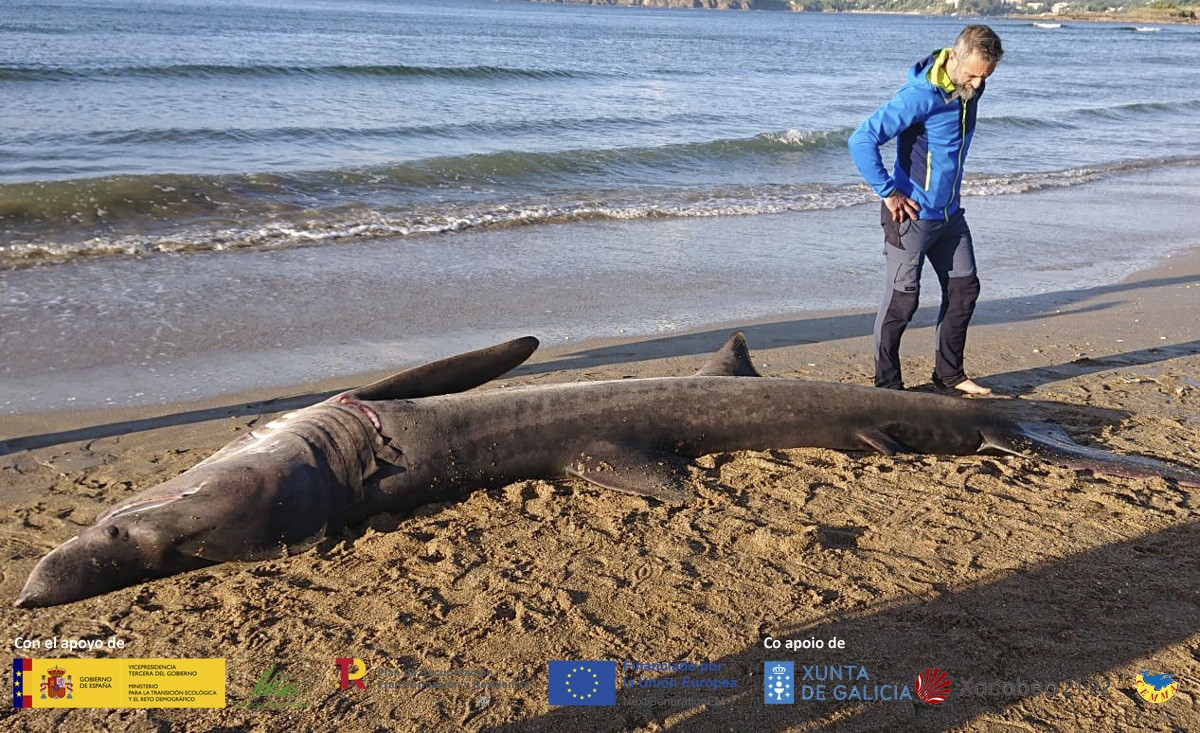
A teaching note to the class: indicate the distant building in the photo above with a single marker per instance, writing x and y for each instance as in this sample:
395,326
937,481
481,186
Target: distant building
1057,8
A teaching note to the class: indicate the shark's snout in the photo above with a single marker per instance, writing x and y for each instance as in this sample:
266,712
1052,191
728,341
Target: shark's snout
114,554
55,580
100,559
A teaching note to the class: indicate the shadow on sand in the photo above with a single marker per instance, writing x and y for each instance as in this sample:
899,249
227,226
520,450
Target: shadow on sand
834,328
1095,618
245,409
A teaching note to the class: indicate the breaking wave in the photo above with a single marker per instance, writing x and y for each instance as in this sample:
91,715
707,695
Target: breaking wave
135,216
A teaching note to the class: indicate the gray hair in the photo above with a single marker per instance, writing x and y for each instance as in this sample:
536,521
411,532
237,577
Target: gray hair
981,40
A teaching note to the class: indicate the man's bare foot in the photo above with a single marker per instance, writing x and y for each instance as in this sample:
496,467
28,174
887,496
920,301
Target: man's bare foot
968,386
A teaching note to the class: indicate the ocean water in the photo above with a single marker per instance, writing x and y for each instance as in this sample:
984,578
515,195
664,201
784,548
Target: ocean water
205,195
185,125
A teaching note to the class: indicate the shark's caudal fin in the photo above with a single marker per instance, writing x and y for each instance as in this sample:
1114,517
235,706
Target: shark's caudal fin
450,375
1051,443
731,360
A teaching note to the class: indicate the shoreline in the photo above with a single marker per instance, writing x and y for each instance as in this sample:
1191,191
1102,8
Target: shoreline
1129,16
124,332
799,341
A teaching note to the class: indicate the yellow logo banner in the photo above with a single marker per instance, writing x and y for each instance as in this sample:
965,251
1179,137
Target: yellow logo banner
118,683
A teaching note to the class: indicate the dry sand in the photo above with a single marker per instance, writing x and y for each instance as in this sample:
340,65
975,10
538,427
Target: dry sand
993,569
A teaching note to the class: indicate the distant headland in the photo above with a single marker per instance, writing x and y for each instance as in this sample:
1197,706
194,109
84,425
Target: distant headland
1155,11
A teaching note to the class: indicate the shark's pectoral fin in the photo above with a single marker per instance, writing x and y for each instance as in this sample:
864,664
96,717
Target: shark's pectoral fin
880,441
731,360
269,508
450,375
631,470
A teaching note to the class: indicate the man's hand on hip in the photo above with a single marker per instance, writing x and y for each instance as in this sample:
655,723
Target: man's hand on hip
902,207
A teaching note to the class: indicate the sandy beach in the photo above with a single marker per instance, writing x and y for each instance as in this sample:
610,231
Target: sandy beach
995,570
214,213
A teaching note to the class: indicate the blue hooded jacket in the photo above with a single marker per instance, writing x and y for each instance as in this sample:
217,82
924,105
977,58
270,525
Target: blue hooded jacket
934,127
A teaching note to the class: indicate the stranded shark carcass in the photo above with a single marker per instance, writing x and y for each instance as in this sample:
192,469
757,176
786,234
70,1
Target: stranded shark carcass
422,436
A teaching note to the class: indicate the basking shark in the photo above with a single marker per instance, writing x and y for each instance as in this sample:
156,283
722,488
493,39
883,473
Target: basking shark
421,437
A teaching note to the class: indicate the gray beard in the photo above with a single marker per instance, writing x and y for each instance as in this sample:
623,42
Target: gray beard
965,93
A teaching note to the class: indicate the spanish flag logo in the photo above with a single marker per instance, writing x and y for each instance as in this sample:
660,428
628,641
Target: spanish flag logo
118,683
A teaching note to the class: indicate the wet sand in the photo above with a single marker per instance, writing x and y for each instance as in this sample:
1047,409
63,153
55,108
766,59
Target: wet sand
992,569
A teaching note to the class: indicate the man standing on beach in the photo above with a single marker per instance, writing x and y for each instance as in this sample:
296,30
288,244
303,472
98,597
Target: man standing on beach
933,115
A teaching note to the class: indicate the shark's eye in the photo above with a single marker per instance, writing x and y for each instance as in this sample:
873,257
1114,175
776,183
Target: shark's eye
113,531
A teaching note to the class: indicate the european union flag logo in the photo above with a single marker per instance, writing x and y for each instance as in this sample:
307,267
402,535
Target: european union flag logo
583,683
779,683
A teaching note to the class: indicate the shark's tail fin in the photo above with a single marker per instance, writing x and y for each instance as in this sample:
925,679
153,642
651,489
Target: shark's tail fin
1052,444
731,360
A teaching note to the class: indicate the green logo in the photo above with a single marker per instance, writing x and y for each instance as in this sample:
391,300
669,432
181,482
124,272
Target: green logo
276,689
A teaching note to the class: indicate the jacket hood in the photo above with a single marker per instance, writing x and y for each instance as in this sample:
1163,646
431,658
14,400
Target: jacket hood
931,71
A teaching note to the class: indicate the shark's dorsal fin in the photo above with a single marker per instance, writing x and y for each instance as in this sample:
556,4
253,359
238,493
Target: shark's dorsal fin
731,360
453,374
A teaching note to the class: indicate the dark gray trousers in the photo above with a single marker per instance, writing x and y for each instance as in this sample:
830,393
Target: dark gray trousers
947,246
